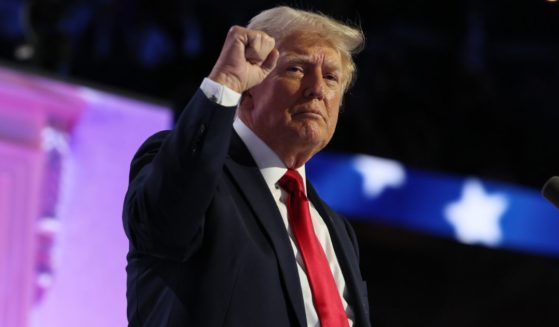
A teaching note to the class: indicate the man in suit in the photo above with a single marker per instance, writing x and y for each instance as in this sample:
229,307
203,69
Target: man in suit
220,229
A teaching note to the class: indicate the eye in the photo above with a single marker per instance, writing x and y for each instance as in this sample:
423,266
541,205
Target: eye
331,77
295,69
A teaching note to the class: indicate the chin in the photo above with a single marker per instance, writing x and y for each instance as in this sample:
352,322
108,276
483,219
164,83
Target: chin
312,135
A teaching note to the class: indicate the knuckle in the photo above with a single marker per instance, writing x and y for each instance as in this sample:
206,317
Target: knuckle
235,29
270,41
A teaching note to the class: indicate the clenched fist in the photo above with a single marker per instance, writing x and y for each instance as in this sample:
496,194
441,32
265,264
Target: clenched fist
247,57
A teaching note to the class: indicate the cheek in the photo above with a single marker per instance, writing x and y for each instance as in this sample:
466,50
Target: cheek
335,94
333,122
333,105
280,92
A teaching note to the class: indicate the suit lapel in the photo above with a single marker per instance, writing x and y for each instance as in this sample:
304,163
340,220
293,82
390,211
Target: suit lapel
249,179
346,256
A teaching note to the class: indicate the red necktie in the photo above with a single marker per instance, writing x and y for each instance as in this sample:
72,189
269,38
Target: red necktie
327,301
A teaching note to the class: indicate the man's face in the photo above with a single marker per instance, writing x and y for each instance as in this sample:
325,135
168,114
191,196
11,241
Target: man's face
296,107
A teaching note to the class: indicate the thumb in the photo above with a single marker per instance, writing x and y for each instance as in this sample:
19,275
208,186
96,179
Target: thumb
270,63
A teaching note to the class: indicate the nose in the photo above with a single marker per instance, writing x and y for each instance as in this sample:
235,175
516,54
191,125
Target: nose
314,85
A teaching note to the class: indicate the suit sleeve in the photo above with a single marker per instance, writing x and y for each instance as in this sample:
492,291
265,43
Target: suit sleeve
173,177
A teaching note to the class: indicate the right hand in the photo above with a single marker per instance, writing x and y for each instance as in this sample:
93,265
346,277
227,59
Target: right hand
247,57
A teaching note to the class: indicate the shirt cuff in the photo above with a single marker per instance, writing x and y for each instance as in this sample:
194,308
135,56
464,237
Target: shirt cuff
219,93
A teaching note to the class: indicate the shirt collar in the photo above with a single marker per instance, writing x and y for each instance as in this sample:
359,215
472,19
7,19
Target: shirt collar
270,165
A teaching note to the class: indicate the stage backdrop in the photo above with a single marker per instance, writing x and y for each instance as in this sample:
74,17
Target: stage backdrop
64,157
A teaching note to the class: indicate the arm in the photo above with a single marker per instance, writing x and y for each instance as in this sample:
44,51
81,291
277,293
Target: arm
173,176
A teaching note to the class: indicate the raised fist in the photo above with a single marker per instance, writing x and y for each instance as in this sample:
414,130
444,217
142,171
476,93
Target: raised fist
247,57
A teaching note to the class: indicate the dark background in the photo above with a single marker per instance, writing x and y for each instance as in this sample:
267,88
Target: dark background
467,87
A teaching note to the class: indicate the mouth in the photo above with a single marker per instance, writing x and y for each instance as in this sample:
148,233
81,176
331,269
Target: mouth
308,114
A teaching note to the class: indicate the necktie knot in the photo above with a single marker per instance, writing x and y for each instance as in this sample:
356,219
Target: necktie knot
292,182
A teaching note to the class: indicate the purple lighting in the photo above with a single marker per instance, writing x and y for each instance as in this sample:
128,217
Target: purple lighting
63,195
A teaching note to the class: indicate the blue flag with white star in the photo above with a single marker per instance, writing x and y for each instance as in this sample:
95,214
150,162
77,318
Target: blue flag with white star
468,209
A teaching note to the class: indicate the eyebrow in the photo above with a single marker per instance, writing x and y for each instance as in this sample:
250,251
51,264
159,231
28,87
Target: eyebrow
306,59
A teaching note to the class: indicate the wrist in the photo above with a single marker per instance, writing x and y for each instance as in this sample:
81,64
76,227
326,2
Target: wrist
220,94
227,80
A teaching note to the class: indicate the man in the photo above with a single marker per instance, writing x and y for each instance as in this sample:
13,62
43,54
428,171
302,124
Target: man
220,230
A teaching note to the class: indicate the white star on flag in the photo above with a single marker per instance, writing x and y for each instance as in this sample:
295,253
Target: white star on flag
378,174
476,215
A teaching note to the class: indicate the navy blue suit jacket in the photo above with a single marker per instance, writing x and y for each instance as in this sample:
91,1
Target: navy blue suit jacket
208,246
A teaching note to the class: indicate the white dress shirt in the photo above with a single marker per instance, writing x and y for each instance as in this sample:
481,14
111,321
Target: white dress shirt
272,169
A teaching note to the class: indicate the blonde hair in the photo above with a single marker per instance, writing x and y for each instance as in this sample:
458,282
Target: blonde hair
281,22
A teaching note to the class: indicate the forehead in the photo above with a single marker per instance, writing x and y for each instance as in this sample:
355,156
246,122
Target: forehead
310,46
